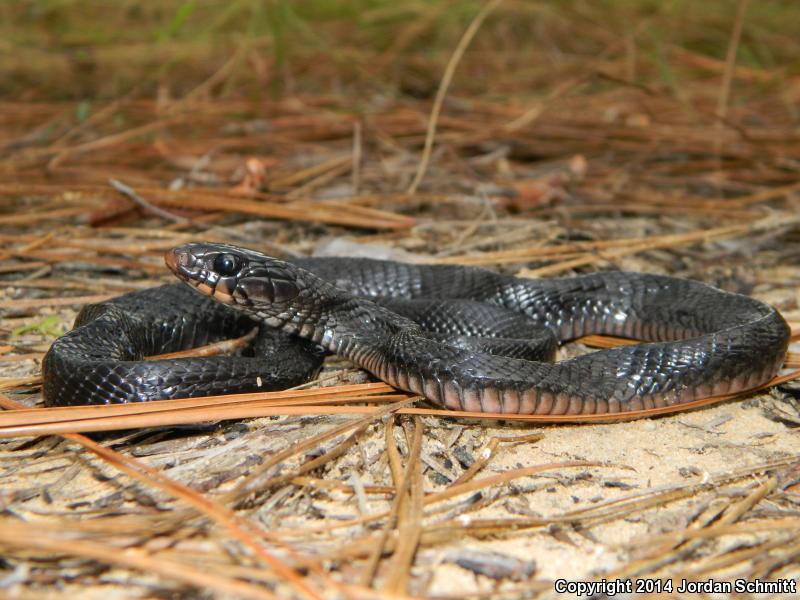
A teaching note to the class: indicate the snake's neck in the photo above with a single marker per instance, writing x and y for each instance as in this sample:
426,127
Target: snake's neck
334,319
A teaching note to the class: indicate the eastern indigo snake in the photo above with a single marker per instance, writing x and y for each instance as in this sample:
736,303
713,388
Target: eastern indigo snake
465,338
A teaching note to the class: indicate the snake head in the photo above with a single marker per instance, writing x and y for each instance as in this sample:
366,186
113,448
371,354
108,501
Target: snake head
236,276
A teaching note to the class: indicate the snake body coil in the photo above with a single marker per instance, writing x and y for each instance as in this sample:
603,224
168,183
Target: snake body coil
703,341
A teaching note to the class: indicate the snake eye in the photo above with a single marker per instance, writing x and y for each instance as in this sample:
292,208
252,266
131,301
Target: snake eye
226,265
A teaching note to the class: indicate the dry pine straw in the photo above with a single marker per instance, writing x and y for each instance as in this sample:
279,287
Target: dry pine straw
415,519
355,489
412,522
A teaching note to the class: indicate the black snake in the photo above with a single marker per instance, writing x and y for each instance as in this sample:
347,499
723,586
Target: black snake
465,338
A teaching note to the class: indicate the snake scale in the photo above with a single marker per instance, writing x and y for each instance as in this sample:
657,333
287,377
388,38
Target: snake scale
465,338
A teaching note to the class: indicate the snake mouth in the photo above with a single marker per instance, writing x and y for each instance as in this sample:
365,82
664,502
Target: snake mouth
189,268
183,263
173,259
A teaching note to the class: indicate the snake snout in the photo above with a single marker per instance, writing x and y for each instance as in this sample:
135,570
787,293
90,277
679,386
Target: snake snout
195,264
181,261
175,259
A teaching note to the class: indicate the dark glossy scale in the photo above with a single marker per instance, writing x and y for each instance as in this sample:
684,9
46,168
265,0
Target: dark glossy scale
725,342
476,326
465,354
100,360
706,341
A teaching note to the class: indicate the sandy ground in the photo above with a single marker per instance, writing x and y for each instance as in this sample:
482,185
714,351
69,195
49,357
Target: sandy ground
46,482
